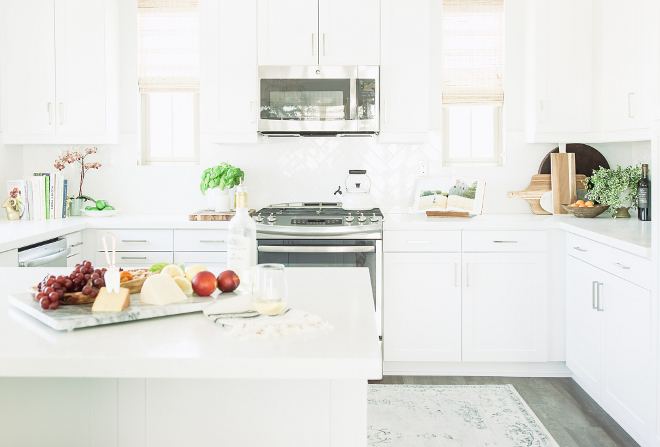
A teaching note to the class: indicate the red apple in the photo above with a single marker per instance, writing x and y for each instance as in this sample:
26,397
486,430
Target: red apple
204,283
228,281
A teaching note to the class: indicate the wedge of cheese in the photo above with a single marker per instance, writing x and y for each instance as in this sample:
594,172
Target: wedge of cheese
161,290
111,302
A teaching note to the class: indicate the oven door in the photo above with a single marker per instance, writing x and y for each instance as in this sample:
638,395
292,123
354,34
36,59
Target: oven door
328,253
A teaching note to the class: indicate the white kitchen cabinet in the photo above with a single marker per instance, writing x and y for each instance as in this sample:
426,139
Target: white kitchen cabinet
422,307
215,261
404,71
59,75
74,241
228,76
9,258
609,344
349,32
127,259
504,316
559,45
288,32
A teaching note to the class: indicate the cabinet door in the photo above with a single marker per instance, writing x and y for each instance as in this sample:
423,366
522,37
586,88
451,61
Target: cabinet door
215,261
349,32
29,67
627,353
80,67
229,75
422,307
504,307
621,38
583,335
404,106
562,65
288,32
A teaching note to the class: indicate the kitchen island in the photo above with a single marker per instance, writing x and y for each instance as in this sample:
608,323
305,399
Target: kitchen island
179,380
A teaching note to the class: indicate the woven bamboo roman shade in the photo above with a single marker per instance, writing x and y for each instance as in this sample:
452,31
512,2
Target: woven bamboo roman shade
169,46
473,52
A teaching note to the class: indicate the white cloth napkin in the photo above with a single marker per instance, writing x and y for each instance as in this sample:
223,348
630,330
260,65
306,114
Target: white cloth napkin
237,315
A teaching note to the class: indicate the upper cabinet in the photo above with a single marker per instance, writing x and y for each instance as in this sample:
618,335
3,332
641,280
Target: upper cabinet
560,61
59,72
319,32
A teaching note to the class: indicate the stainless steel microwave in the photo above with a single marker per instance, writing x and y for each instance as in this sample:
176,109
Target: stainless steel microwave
318,100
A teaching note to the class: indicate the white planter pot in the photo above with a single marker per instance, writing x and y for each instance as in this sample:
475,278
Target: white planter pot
222,203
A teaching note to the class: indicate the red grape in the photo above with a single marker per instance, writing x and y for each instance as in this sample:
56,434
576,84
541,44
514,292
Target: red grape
98,271
98,282
57,286
77,281
83,270
77,288
50,281
68,284
40,295
45,302
94,276
88,277
86,290
104,269
48,290
87,264
61,279
94,293
54,296
54,305
60,293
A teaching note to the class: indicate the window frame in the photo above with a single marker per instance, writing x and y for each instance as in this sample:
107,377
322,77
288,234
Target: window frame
145,144
497,160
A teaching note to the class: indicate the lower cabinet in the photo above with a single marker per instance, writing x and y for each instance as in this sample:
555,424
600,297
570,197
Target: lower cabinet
422,307
504,307
609,344
74,241
127,259
212,260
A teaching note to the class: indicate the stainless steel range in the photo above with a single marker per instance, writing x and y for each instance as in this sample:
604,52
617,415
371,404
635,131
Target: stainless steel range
322,234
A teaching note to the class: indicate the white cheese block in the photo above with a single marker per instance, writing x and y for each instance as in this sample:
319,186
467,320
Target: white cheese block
111,302
161,290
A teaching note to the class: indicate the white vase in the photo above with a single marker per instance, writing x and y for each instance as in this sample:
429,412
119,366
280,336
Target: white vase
221,204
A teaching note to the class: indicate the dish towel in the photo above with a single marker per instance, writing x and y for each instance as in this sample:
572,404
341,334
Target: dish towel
238,316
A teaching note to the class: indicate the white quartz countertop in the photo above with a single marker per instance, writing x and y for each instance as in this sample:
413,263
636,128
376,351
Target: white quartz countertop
191,346
630,235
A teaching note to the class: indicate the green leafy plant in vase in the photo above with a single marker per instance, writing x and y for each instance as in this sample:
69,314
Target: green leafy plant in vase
615,187
220,179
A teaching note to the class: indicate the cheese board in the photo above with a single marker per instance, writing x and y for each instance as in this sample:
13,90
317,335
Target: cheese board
539,185
68,318
210,215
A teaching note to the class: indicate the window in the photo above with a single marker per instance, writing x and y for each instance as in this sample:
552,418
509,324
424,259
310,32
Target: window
473,81
169,80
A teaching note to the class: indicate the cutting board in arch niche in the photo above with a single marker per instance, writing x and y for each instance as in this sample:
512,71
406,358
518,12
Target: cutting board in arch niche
587,159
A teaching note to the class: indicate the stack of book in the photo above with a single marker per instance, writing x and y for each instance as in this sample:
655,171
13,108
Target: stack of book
43,195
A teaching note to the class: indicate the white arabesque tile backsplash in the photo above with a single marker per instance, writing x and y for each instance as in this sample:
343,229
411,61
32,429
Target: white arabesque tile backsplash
307,169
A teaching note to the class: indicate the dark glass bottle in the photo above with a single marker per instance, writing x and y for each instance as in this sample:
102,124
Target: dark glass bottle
644,195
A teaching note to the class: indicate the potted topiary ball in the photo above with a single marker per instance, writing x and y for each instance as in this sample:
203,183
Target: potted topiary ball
615,187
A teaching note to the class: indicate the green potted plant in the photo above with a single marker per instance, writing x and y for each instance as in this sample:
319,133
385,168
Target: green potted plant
216,183
615,187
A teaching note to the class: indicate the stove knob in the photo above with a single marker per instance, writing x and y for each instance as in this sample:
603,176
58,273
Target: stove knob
350,218
361,218
271,218
259,218
373,218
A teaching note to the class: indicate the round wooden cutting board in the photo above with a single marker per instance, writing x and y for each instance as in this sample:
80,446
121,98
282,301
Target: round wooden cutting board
587,159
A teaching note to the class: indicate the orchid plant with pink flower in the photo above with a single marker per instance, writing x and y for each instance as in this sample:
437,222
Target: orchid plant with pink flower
77,156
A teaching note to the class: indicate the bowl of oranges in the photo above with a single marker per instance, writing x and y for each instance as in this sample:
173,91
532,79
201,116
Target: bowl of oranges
585,209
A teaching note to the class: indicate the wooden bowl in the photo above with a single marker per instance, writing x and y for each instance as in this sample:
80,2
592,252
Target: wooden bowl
586,211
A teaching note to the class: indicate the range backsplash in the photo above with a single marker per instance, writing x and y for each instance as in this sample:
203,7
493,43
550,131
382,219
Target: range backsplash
305,169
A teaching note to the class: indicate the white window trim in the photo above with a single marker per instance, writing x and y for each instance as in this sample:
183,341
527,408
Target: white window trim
498,158
145,159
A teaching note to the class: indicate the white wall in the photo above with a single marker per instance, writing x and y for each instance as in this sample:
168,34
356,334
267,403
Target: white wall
307,169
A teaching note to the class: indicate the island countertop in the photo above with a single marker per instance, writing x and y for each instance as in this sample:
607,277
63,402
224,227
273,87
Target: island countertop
191,346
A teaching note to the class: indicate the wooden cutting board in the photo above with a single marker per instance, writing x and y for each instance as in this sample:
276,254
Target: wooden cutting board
540,184
563,181
208,215
448,214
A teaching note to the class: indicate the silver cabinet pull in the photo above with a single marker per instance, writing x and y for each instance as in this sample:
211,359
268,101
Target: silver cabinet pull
76,244
598,289
59,106
542,117
212,242
579,249
631,106
134,257
312,44
419,242
594,287
324,44
505,242
621,266
467,274
50,116
455,275
132,240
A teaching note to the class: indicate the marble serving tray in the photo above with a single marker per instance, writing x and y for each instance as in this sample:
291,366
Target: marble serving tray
70,317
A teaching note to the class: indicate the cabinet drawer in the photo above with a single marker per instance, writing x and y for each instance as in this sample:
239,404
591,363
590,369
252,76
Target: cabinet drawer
422,241
135,259
200,240
504,241
617,262
139,240
214,261
74,242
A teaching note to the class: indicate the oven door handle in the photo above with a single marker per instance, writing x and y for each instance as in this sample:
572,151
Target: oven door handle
316,249
62,254
312,231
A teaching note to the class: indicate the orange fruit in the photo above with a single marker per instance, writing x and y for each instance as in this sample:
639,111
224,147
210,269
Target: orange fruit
580,202
590,204
582,205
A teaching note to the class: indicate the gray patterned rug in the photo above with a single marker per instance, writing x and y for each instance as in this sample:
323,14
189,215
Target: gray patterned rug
452,416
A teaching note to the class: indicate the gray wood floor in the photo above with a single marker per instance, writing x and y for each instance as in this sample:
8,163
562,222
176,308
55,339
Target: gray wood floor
569,414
